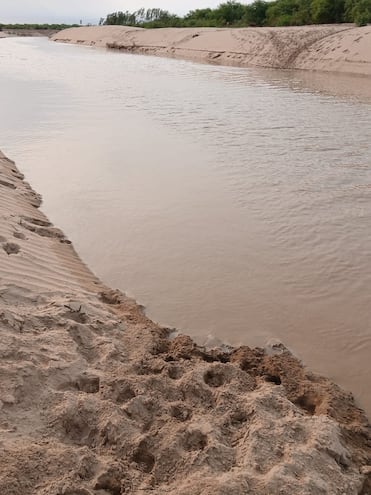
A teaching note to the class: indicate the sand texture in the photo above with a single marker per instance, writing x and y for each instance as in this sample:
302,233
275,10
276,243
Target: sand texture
96,399
336,48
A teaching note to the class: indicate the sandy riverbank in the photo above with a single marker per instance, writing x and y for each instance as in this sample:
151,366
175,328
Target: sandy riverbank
337,48
97,399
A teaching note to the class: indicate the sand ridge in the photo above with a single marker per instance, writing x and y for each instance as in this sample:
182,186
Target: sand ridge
340,48
96,399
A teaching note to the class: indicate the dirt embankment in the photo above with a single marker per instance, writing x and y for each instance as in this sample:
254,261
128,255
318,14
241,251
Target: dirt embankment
336,48
96,399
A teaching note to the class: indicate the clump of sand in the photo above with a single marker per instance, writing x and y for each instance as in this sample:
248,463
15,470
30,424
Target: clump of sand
96,399
340,48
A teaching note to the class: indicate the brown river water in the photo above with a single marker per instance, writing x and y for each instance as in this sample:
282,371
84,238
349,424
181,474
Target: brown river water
235,204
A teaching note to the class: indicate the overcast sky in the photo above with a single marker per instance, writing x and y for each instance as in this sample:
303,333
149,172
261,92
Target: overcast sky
87,10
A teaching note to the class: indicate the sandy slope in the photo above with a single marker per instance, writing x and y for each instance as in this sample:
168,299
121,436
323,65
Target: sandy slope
340,48
97,399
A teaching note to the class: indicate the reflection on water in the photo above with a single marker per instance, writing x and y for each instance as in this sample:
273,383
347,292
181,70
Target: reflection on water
230,202
348,86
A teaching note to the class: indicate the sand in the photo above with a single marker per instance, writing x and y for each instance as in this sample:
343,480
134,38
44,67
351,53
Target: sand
340,48
96,399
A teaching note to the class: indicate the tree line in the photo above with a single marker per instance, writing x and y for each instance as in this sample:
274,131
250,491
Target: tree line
258,13
38,27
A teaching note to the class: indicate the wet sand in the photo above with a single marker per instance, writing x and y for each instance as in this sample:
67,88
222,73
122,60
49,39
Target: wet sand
341,48
96,397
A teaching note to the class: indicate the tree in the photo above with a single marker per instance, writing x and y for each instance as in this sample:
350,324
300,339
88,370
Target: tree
229,13
200,17
281,12
256,13
358,11
259,13
328,11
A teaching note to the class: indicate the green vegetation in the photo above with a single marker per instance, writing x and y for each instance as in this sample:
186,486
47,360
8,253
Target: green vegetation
258,13
38,27
145,18
359,11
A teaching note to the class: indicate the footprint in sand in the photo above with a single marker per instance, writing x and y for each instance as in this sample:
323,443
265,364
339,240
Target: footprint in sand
19,235
5,183
11,248
43,228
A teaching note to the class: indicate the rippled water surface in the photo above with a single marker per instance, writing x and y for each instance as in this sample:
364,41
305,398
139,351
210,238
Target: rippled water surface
232,203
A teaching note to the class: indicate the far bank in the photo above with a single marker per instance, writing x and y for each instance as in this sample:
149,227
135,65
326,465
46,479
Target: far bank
340,48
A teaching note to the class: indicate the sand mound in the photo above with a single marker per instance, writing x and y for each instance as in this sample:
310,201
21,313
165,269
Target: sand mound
340,48
97,399
346,51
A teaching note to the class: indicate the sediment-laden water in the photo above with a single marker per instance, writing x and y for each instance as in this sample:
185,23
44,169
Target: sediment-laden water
235,204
